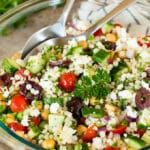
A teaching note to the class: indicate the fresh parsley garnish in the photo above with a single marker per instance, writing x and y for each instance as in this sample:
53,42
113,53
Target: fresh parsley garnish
98,86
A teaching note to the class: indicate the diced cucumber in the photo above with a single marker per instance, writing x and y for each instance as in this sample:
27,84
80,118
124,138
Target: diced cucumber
56,121
146,137
108,27
34,132
75,50
134,142
117,71
77,147
2,108
144,121
89,111
42,124
101,56
85,146
35,64
19,116
9,65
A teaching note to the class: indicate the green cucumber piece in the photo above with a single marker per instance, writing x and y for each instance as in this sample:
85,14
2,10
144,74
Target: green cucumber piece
75,50
36,64
107,28
9,65
34,132
56,121
77,147
89,111
101,56
146,137
117,71
134,142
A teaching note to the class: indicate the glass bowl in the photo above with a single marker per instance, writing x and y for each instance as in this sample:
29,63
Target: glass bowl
40,13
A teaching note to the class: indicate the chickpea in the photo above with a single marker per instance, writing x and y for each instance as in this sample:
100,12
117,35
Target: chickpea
83,44
9,119
81,129
49,144
111,37
110,108
16,56
45,114
1,96
59,56
122,54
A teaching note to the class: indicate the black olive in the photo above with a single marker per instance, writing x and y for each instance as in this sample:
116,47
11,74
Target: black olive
6,79
142,98
60,63
74,106
109,45
27,93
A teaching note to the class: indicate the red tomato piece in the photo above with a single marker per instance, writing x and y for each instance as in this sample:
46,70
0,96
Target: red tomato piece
15,126
111,148
119,130
118,25
141,132
90,133
23,73
67,81
35,120
99,32
144,41
18,103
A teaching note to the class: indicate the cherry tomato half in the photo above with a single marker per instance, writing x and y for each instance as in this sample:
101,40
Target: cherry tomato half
119,130
35,120
90,133
144,41
15,126
111,148
18,103
67,81
23,73
99,32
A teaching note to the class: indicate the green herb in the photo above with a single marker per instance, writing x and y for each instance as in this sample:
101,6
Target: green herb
97,87
6,5
54,100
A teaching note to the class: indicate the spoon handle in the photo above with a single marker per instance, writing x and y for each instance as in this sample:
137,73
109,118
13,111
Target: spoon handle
66,10
124,4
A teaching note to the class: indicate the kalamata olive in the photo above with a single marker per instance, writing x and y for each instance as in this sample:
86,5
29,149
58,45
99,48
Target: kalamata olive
142,98
148,73
5,79
109,45
74,106
31,90
60,63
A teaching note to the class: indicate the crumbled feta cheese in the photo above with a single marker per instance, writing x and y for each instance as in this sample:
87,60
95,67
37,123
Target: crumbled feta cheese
54,107
6,94
145,85
113,96
28,86
130,112
25,120
125,94
34,112
97,143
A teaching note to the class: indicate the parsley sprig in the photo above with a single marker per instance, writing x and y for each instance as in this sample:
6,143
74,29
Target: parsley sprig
98,86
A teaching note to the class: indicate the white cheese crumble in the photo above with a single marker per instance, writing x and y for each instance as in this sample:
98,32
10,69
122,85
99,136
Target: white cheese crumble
130,112
54,108
125,94
34,112
25,120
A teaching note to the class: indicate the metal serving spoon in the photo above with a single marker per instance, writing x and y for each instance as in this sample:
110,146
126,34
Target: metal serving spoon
62,41
51,31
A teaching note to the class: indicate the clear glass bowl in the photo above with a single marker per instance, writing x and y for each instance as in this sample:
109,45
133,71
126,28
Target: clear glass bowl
40,13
